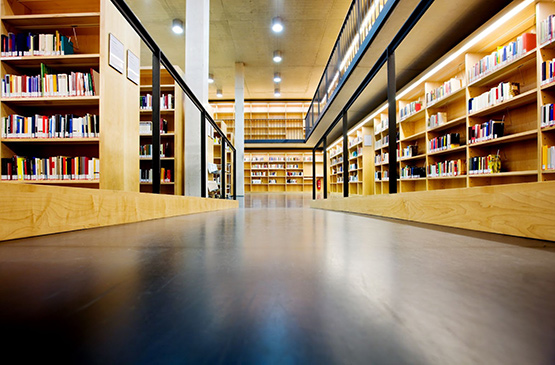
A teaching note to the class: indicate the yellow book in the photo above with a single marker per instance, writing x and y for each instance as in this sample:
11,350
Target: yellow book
57,45
544,157
20,168
55,82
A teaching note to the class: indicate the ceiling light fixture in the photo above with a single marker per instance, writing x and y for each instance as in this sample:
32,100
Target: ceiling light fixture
277,25
277,77
277,56
277,94
219,93
210,78
177,26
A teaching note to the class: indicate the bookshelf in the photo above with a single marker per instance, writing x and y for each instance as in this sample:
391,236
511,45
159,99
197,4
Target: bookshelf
217,157
75,112
266,120
171,133
281,172
335,169
495,98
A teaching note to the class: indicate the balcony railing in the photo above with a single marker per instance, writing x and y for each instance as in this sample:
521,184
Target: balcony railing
361,24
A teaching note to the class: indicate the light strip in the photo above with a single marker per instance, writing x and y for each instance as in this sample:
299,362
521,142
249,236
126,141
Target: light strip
517,9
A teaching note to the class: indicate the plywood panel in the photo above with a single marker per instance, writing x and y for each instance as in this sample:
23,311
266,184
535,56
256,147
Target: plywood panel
525,210
30,210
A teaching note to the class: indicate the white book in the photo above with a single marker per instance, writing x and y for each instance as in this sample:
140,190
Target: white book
49,47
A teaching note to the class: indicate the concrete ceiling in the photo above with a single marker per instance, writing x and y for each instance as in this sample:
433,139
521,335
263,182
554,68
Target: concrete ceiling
240,32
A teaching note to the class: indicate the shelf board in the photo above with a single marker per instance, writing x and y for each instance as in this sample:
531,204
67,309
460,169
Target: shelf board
449,124
548,44
512,173
414,137
548,171
450,150
548,129
447,99
161,135
412,179
53,21
161,183
54,101
448,177
52,140
507,139
499,74
161,158
412,158
165,87
54,182
385,146
547,86
356,144
415,116
517,101
354,158
74,60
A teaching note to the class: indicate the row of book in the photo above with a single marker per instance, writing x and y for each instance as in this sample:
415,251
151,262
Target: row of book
166,102
502,92
336,160
437,119
485,131
382,158
294,173
384,141
547,116
146,127
258,173
546,28
296,166
145,150
410,109
503,55
445,142
53,126
382,125
484,165
165,175
50,168
338,169
353,166
548,72
412,172
355,141
442,91
356,153
259,166
31,44
409,151
353,178
548,157
447,168
51,85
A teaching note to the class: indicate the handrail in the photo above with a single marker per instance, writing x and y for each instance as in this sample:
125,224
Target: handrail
136,24
363,21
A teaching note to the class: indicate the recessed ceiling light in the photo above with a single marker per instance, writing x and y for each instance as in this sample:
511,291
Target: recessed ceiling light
277,94
277,25
177,26
277,77
219,93
277,56
210,78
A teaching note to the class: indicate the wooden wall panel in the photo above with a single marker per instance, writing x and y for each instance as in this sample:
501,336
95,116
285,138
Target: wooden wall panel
28,210
526,210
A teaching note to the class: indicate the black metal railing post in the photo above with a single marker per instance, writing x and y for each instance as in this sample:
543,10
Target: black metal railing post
345,156
392,116
234,183
156,118
223,186
203,168
325,154
314,177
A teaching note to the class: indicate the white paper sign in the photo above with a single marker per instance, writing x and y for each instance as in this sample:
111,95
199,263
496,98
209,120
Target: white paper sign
117,54
367,140
133,67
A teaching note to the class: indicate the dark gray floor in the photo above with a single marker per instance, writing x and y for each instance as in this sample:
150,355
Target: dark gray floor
278,283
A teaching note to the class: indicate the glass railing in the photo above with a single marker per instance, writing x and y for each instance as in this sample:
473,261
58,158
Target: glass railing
363,18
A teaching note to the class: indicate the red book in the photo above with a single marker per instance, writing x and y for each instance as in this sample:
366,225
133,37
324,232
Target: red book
528,41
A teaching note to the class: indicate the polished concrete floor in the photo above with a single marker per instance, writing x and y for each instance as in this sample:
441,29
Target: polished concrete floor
277,283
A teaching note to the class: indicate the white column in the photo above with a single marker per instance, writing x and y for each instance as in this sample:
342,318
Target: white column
197,25
240,125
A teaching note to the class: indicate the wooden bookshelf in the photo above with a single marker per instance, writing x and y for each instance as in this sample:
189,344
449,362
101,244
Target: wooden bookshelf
445,96
266,120
171,138
88,23
281,171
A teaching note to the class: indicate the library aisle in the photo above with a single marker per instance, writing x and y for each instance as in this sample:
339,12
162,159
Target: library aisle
278,282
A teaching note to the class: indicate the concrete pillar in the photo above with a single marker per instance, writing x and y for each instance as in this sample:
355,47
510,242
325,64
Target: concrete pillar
197,25
240,125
